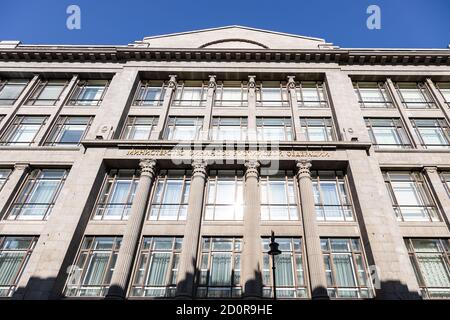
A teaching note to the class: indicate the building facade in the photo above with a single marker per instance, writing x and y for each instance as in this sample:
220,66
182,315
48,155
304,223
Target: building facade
158,169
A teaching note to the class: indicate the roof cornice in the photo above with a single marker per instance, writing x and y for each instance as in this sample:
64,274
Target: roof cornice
122,54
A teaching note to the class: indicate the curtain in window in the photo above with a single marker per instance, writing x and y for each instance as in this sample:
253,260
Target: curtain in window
220,269
331,200
283,271
434,270
97,269
343,270
158,269
118,198
25,133
9,266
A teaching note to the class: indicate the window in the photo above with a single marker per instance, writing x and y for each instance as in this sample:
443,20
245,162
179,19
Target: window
225,193
231,94
387,133
345,268
220,268
170,196
4,174
90,275
332,196
150,93
415,95
191,94
139,128
156,269
229,128
69,131
311,95
88,93
14,254
444,88
431,262
411,198
180,128
274,129
445,177
317,129
10,90
38,195
272,94
290,269
23,130
116,195
47,93
372,95
432,133
279,197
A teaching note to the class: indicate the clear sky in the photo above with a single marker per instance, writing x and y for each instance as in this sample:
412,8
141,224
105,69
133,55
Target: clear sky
404,23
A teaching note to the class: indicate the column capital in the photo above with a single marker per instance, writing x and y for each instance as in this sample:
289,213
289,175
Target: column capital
252,168
172,81
21,166
291,82
212,81
251,82
303,168
199,168
148,167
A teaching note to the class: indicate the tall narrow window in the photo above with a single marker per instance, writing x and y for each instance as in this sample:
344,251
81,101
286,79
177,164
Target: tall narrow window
47,93
445,177
372,95
279,197
88,92
411,198
14,254
38,195
69,131
311,95
431,262
317,129
229,128
155,273
90,275
387,133
270,129
290,272
170,196
432,133
139,128
4,174
272,94
231,94
182,128
10,90
415,95
191,94
345,268
150,94
23,130
444,89
220,268
116,195
331,196
225,194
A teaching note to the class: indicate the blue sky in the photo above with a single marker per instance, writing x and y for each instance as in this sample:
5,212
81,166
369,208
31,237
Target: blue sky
404,23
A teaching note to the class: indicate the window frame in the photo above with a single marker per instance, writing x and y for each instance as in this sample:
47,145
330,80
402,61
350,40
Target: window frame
172,125
281,86
288,130
327,124
424,92
142,91
131,123
34,97
441,125
320,88
218,94
400,130
178,99
58,130
78,89
13,82
18,122
383,91
216,127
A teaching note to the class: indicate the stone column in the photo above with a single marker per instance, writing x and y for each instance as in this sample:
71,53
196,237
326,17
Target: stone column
170,89
316,265
209,107
251,252
251,97
130,239
294,108
188,261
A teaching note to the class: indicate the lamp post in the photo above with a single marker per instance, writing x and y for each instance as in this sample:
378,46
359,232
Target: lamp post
274,251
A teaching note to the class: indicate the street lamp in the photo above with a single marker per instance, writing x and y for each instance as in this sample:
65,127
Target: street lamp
274,251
